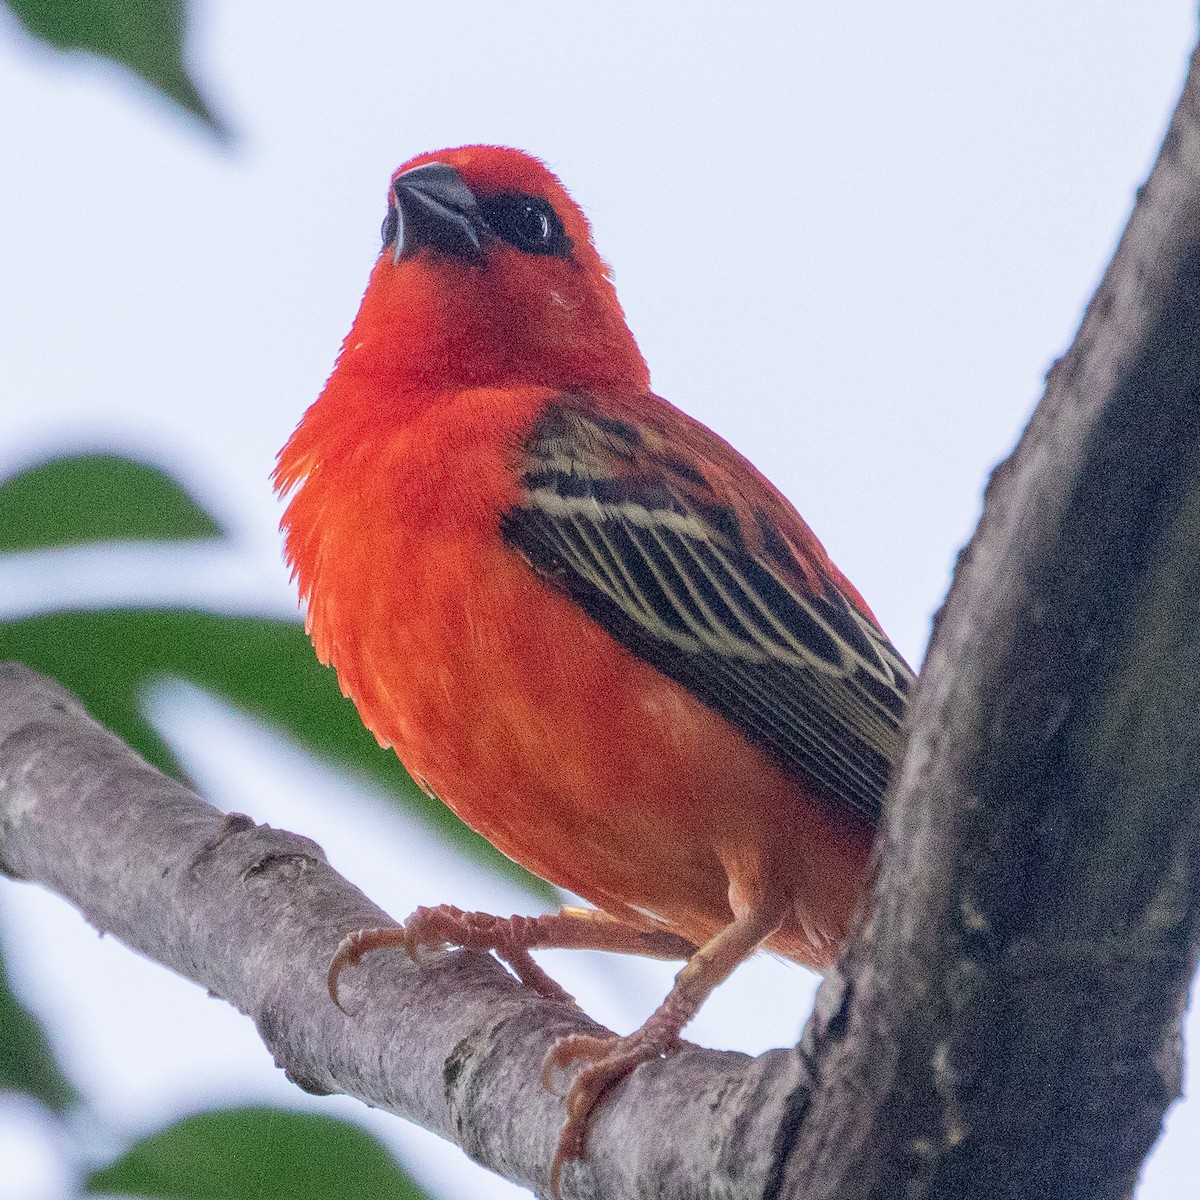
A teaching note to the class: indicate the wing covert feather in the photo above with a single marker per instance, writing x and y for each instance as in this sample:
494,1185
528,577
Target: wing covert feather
637,535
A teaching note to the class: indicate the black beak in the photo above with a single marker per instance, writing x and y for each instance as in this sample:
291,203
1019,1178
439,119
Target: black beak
437,210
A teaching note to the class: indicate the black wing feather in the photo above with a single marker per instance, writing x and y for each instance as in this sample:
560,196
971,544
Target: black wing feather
665,571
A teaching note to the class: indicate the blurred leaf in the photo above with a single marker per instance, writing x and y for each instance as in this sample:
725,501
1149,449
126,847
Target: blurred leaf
263,667
144,35
27,1063
257,1154
96,498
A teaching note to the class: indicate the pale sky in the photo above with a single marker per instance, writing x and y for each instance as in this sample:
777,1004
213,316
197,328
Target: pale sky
852,238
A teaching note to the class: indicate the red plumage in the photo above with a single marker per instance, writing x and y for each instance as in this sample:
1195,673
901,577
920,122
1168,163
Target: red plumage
582,619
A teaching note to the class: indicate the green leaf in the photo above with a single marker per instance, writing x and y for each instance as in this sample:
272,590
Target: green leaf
144,35
265,668
257,1154
94,498
27,1063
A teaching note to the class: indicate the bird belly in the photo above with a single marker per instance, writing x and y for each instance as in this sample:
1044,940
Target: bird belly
569,753
582,762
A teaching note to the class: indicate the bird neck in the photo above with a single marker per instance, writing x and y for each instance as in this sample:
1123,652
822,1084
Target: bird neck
419,334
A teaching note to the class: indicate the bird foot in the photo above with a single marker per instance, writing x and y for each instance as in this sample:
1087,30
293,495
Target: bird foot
509,938
436,928
609,1059
353,947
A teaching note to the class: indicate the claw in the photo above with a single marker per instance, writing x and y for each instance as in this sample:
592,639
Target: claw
351,950
609,1060
572,1048
346,955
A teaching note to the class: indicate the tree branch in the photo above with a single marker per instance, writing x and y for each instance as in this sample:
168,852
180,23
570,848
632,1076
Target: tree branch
254,914
1007,1019
1009,1022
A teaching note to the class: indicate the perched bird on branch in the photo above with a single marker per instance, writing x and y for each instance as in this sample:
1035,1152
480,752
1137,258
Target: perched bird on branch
582,620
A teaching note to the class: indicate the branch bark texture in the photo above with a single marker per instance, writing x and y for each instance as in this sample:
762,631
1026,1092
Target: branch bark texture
255,914
1006,1020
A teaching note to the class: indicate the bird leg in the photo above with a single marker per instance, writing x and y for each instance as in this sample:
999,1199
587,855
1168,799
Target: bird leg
609,1059
511,939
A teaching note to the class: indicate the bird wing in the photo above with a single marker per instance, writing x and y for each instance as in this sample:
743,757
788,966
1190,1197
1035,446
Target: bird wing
705,585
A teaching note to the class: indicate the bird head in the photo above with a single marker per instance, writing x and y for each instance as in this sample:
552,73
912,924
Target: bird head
487,276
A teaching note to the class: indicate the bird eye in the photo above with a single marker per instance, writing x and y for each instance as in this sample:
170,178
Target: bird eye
391,224
527,222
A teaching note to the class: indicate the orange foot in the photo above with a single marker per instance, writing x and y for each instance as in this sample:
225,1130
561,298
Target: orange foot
430,928
609,1060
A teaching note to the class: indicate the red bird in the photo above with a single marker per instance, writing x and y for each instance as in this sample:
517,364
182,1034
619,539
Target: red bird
583,620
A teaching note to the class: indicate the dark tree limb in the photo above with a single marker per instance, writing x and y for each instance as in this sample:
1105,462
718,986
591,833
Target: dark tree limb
1007,1020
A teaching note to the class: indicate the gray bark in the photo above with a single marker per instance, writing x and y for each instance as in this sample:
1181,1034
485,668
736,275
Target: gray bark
255,914
1009,1021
